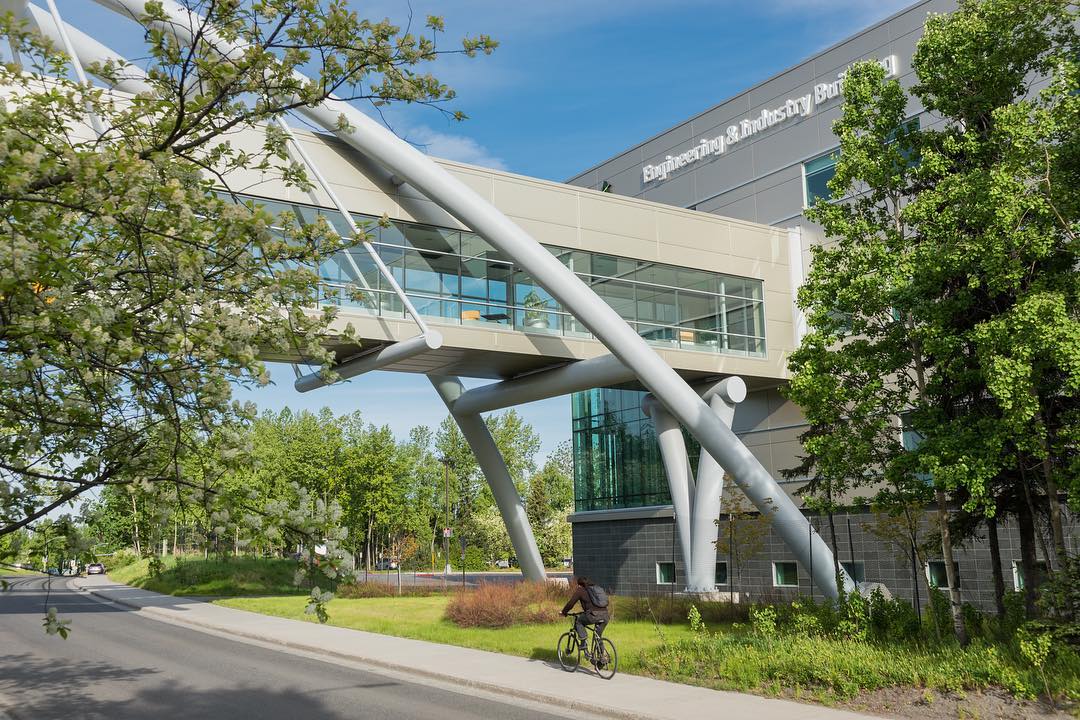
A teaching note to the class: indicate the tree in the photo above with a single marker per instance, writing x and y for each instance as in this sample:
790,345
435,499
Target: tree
469,492
944,307
746,531
136,288
549,501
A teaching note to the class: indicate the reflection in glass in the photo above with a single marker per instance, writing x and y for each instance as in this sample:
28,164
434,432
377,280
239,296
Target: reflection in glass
457,277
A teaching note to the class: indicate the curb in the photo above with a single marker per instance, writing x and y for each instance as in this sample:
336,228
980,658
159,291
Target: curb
559,701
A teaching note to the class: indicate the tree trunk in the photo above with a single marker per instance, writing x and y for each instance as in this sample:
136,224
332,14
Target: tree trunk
1027,557
995,562
1057,532
135,526
835,554
950,571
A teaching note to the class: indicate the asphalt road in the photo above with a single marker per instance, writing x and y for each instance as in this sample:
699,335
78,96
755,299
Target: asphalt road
117,665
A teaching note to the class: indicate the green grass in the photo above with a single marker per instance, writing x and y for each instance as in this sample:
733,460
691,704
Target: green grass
213,577
421,618
18,572
836,669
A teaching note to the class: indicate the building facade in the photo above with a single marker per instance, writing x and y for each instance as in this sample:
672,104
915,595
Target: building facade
763,155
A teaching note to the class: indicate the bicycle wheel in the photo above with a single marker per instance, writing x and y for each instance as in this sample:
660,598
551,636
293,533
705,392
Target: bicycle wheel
569,652
605,659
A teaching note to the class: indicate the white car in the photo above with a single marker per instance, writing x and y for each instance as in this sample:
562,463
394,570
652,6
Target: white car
502,564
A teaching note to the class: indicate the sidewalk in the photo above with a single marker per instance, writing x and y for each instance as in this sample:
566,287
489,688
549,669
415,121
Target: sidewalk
625,696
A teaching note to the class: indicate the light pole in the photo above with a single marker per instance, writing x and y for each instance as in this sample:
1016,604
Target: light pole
446,528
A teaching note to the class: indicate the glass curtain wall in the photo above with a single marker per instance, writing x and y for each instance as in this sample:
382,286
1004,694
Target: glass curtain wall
617,461
455,277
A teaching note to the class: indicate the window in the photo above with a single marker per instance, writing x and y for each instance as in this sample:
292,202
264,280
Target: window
665,573
937,577
1018,573
721,573
818,172
854,570
785,574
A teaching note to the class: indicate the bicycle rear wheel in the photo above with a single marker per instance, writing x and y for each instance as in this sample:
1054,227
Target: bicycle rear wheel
605,659
569,652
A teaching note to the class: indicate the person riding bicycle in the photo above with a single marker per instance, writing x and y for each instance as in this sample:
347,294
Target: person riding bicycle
594,602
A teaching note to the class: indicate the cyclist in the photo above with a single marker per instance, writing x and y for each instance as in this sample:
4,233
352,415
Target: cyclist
594,602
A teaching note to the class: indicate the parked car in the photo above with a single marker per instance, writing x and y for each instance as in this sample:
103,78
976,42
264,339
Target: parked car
502,564
386,564
95,569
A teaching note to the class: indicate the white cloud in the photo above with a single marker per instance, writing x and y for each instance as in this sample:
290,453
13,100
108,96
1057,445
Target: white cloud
452,147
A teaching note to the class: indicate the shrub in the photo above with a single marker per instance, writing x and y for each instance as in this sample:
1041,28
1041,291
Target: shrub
668,610
1060,594
382,589
496,605
119,559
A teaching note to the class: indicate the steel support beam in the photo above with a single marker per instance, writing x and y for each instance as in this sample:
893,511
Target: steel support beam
498,478
677,469
572,377
708,494
374,360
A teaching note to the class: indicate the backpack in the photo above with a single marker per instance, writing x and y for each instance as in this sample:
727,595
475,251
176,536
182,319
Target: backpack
597,596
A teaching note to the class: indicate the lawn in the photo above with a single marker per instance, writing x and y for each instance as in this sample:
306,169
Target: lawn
214,577
421,618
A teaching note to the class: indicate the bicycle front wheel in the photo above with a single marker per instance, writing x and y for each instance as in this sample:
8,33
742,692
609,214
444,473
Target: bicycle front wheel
569,652
605,659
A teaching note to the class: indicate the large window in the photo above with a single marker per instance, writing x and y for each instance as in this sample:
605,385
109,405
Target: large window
665,573
818,172
721,573
785,574
937,577
1018,573
456,277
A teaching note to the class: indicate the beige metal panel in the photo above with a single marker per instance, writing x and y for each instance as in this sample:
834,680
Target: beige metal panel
693,231
566,236
778,306
783,412
617,216
619,244
535,201
786,455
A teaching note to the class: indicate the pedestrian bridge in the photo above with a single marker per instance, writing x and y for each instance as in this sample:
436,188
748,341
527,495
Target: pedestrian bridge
712,296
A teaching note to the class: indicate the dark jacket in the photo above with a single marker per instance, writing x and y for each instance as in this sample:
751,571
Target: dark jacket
591,611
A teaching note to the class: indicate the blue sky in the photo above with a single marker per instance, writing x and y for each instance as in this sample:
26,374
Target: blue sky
572,83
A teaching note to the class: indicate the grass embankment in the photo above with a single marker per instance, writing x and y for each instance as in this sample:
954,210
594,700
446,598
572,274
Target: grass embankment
423,618
829,669
213,577
8,571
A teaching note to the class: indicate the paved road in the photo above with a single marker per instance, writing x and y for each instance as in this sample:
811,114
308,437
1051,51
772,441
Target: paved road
117,665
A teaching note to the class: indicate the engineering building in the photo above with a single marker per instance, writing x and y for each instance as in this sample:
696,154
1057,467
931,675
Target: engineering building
764,156
683,255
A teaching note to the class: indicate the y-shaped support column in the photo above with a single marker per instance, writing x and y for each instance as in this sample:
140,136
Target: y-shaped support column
701,577
677,468
696,504
498,478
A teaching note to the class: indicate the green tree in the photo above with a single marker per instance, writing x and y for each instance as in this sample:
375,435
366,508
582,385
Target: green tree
947,294
136,288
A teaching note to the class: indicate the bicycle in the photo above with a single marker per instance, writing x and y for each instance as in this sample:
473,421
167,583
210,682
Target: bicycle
600,651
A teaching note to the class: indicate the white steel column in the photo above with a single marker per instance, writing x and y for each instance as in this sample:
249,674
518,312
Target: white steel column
677,468
498,478
701,577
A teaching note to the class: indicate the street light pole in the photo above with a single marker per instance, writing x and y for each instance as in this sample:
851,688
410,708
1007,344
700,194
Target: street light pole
446,528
